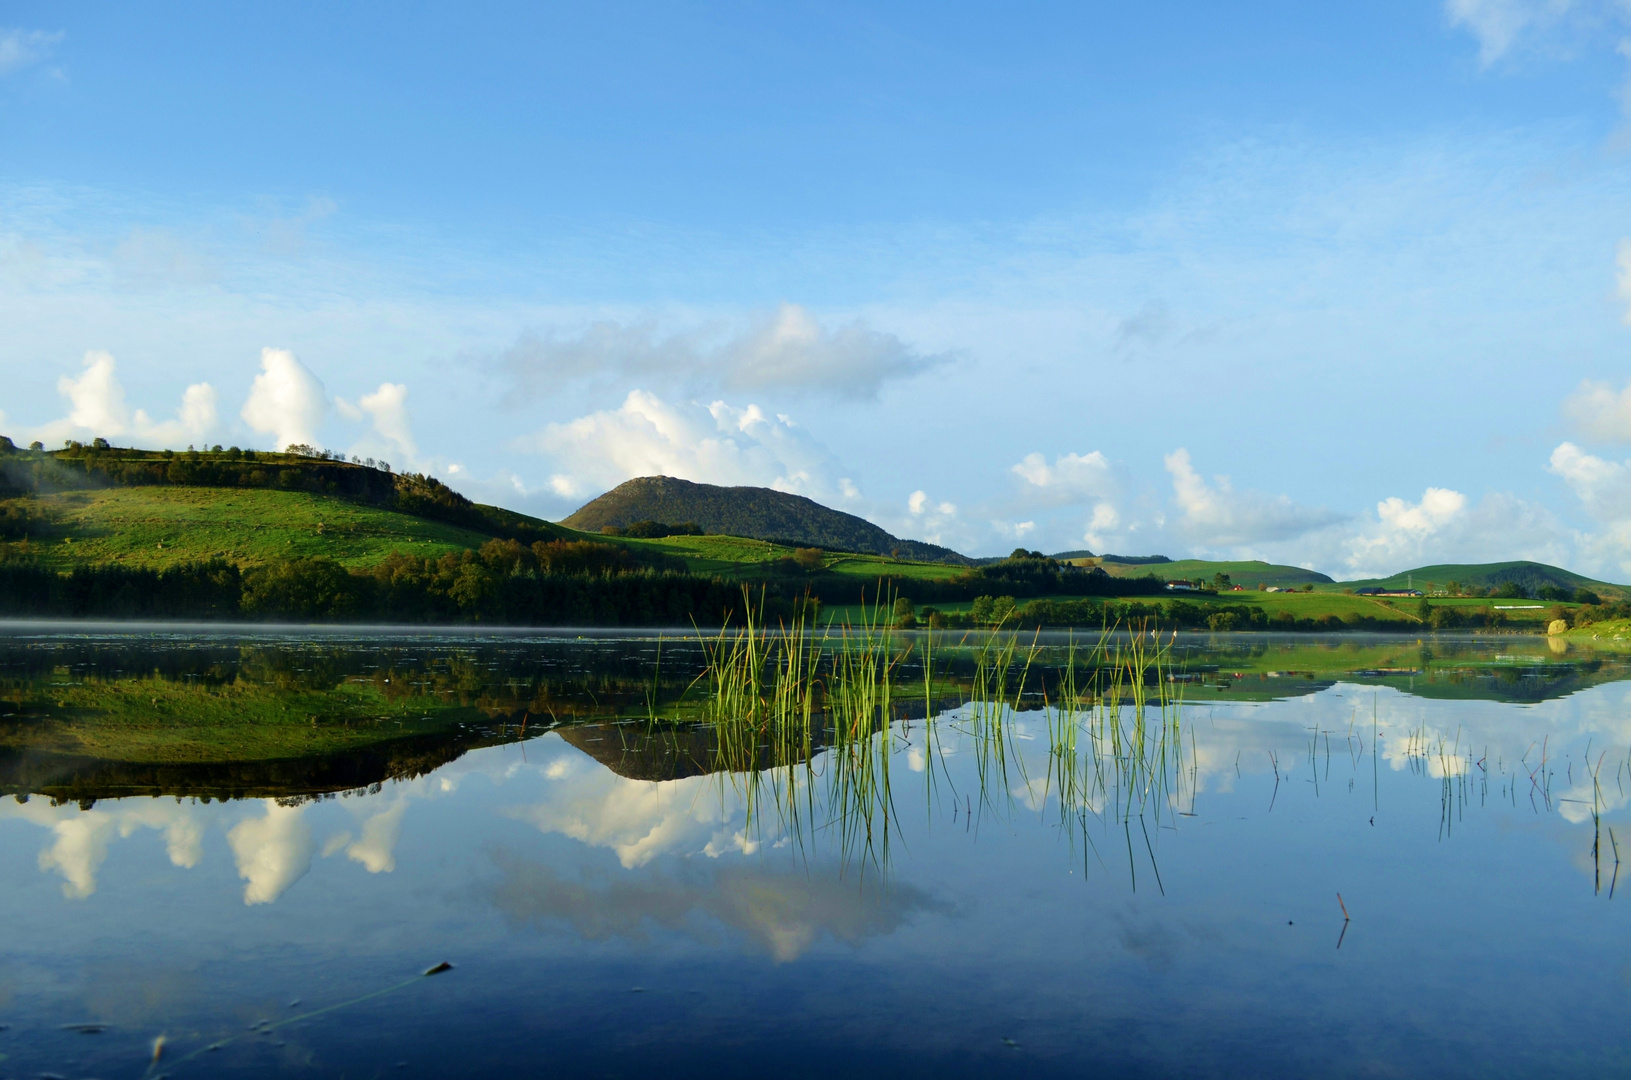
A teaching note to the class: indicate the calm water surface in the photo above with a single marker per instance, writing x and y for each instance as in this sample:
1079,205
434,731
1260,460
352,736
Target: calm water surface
252,846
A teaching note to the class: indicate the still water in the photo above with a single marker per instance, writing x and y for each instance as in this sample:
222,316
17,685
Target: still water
251,847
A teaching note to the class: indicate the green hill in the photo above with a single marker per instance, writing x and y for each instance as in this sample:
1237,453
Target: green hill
1250,573
1529,576
154,509
753,512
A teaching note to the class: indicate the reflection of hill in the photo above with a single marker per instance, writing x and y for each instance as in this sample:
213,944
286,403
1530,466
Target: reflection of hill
83,779
672,752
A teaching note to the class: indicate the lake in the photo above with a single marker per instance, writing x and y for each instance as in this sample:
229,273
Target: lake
238,853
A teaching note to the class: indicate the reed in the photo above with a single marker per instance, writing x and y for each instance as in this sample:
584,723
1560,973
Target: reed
807,720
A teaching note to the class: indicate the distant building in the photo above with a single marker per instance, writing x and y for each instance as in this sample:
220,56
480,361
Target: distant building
1387,592
1180,586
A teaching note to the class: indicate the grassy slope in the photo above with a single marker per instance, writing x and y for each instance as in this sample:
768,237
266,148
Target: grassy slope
1250,574
253,526
128,525
1490,574
737,557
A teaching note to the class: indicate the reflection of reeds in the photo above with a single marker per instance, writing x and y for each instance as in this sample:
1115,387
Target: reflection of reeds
805,726
783,693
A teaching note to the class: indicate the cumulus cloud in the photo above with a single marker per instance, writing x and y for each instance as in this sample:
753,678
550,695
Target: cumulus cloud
286,400
1071,478
1600,412
387,407
97,408
1602,486
784,350
272,851
716,444
1217,516
1446,526
1497,24
22,49
931,520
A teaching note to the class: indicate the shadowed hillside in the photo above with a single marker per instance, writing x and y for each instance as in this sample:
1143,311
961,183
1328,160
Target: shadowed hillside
754,512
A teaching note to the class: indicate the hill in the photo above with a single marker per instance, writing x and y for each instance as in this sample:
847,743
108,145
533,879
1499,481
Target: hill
154,509
1529,576
1250,573
753,512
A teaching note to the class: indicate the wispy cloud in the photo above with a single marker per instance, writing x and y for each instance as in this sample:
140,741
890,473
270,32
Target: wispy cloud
788,349
23,49
1215,515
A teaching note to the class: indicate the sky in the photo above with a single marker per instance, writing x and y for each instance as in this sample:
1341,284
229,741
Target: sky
1342,286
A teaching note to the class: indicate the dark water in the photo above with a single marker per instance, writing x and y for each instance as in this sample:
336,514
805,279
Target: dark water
257,844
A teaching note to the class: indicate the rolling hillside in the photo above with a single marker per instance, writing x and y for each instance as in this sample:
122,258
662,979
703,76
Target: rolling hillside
1530,575
1248,573
757,513
153,509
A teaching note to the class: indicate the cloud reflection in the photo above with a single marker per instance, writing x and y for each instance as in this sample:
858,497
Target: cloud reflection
637,819
80,838
273,851
778,913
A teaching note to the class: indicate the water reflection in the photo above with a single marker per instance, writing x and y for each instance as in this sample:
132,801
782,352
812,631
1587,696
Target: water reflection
1060,868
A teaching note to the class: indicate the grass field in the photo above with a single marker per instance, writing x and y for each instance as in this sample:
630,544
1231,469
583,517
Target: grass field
159,526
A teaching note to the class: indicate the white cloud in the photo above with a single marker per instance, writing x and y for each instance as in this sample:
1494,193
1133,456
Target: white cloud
931,521
786,349
1598,412
716,444
637,819
1217,516
80,838
376,847
273,852
1403,531
1072,478
20,49
1101,527
286,400
1603,486
1497,24
389,407
96,398
96,408
1445,526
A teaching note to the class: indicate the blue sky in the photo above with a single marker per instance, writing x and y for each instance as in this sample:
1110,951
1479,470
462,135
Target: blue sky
1340,286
